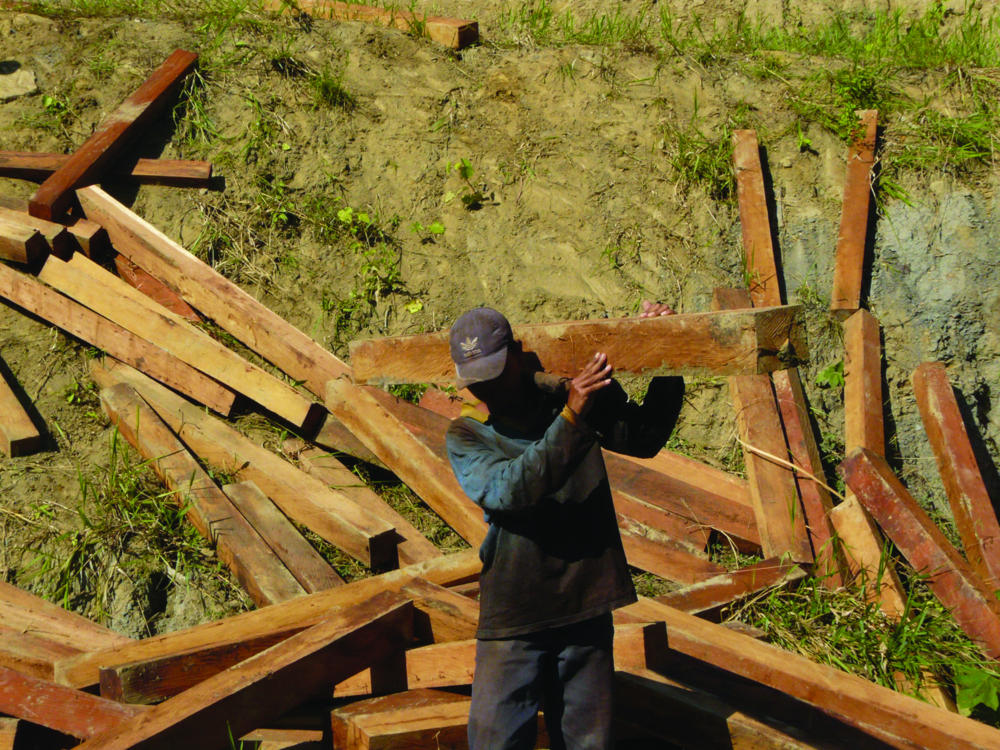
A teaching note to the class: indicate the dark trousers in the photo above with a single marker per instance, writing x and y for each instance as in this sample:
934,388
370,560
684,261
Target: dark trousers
567,672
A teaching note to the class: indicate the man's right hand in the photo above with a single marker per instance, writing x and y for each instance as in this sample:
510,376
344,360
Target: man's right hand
595,375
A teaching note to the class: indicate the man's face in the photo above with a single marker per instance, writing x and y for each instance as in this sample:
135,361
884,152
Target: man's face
504,390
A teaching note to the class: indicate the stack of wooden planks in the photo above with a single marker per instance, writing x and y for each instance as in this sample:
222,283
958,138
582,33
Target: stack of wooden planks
387,661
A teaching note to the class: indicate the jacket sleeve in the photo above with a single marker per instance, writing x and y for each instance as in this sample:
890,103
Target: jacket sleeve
500,484
637,429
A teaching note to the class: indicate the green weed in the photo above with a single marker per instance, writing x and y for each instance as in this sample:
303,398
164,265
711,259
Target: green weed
473,196
329,91
705,160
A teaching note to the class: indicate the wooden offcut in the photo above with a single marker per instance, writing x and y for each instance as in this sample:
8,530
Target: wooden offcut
424,472
971,506
215,296
20,243
925,547
18,434
305,500
238,544
712,343
28,293
271,682
450,32
89,162
176,172
305,564
109,296
849,269
57,237
155,289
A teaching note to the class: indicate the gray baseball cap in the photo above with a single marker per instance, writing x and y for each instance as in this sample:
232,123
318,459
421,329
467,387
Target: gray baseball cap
479,341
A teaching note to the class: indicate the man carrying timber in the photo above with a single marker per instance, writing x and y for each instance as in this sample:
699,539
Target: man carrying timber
553,563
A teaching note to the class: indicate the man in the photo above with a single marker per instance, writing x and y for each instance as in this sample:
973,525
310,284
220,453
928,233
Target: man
553,563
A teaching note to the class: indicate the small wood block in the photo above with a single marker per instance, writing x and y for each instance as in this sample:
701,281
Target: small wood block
970,502
261,688
758,249
863,411
57,237
240,547
154,289
76,320
412,545
18,434
713,343
176,172
301,558
90,161
305,500
451,32
109,296
849,270
424,472
90,236
707,597
213,295
949,576
64,709
20,243
775,496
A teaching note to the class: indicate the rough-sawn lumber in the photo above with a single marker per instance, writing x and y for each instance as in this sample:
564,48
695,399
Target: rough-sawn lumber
176,172
712,343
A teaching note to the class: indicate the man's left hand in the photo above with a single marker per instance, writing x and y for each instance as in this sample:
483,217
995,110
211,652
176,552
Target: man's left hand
655,309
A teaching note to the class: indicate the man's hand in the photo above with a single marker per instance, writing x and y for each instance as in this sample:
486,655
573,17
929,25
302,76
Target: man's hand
595,375
655,309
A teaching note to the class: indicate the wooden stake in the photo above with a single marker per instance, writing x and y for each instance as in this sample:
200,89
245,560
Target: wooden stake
89,162
848,273
715,343
963,483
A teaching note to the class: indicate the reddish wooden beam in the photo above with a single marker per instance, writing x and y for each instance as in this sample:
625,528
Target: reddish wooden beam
758,250
848,273
709,596
970,502
90,161
38,167
155,289
949,576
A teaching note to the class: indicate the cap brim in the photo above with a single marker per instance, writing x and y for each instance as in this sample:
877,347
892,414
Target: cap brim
481,369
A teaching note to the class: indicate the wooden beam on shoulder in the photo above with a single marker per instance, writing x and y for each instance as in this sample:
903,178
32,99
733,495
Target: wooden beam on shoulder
948,575
849,265
451,32
239,545
970,501
75,319
712,343
89,162
272,681
302,498
37,167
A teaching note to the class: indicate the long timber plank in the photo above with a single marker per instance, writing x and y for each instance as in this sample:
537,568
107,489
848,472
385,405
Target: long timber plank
174,172
155,289
23,611
75,319
239,545
83,670
707,597
302,498
970,501
849,268
712,343
106,294
263,687
31,654
853,700
925,547
213,295
88,162
758,249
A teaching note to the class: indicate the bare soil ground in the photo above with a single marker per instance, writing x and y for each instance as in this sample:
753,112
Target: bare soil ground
575,203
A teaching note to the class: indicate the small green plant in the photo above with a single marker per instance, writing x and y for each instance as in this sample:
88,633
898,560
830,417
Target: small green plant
429,232
328,90
473,197
831,376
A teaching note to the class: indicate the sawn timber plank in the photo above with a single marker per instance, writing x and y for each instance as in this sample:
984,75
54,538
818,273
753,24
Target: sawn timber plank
176,172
